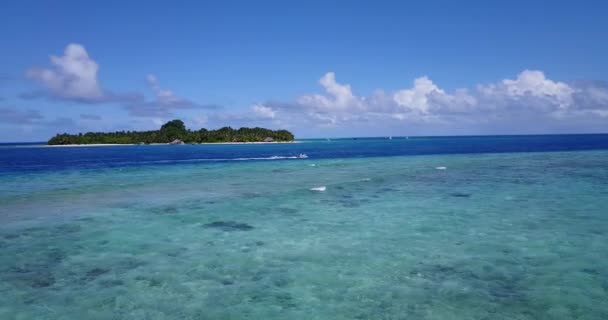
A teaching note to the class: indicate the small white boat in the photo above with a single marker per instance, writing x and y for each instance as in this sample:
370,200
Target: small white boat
303,156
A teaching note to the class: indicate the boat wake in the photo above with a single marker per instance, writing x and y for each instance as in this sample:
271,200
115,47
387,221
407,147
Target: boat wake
301,156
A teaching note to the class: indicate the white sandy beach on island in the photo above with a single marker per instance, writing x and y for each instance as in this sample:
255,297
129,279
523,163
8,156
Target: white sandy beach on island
86,145
159,144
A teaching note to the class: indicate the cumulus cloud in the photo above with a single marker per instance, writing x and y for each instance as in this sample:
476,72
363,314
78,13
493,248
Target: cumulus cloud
72,75
263,111
425,98
339,96
528,98
417,98
422,102
531,87
534,83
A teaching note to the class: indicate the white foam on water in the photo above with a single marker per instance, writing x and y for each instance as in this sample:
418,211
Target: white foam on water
319,189
265,158
441,168
209,160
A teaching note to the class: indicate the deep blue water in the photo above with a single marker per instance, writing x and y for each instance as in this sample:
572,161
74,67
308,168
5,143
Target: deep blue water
33,157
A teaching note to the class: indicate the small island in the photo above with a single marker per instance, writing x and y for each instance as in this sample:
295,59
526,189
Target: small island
175,132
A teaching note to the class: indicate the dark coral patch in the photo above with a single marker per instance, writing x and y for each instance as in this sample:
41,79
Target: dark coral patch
94,273
43,280
69,228
229,226
170,210
591,271
287,211
460,195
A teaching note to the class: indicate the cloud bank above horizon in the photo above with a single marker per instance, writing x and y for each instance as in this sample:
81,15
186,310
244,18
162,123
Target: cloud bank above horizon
529,102
529,97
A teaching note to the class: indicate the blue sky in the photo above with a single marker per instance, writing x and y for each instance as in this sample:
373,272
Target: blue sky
318,68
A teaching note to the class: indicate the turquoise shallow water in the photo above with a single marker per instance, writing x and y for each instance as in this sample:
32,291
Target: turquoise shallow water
493,236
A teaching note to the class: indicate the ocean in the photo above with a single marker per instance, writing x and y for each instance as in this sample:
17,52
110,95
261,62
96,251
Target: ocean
489,227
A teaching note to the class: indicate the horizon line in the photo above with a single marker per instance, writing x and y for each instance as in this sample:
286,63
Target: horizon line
407,136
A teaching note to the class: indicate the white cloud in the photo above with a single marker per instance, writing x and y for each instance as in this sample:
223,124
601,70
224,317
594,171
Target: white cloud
529,98
263,111
531,84
340,96
417,98
425,98
534,82
73,75
421,102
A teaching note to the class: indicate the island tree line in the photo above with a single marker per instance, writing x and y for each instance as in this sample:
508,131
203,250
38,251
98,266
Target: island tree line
174,130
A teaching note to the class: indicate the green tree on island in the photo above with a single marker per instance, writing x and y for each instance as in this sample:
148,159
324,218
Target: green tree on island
172,130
